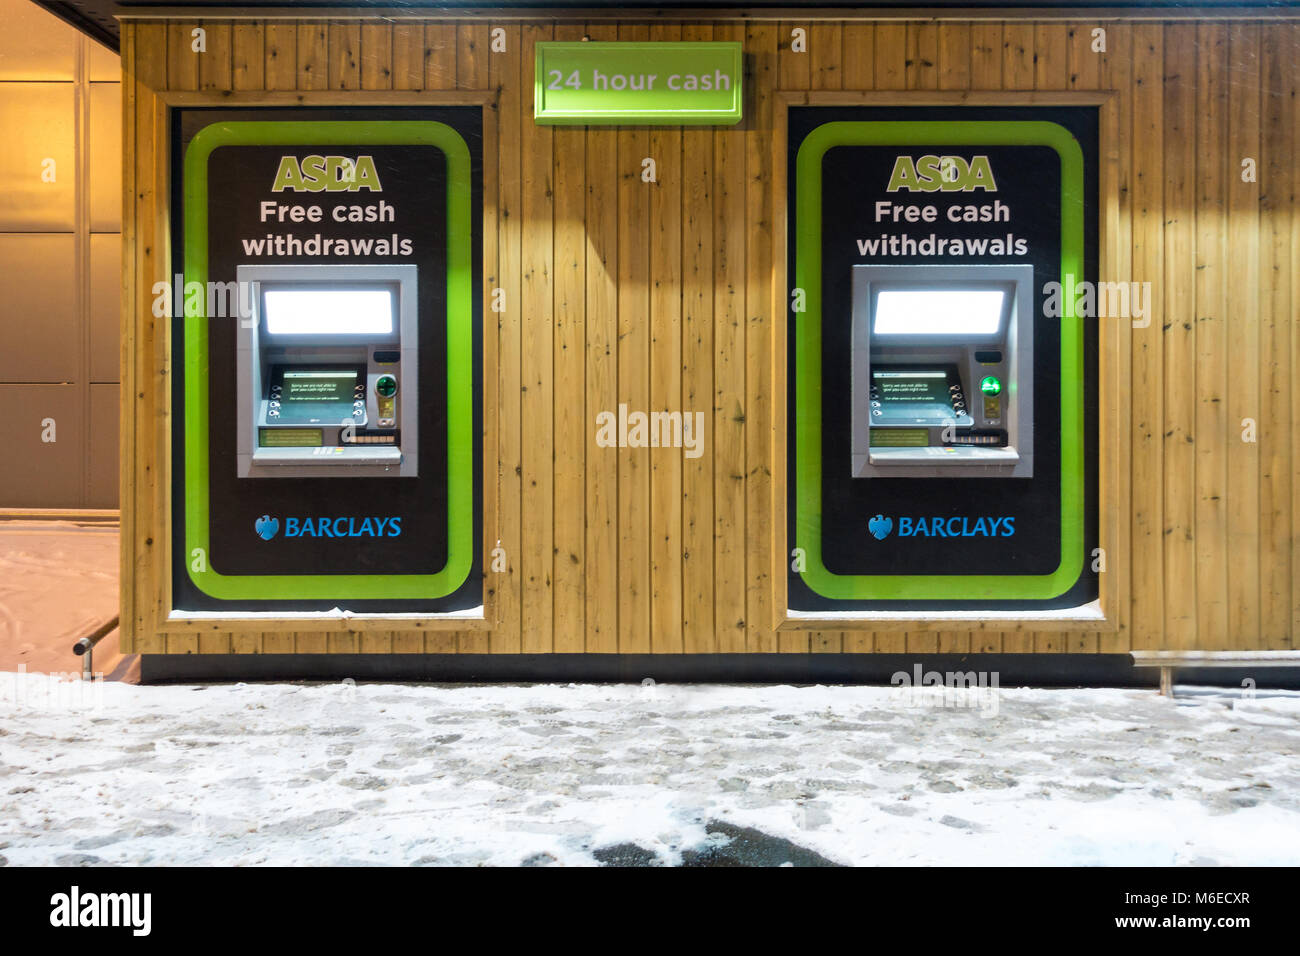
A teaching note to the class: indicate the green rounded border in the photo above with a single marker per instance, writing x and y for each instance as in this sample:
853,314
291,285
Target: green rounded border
460,362
808,363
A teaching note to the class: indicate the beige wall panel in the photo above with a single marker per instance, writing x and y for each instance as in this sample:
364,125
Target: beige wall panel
37,124
102,438
35,44
39,340
34,473
104,157
102,64
105,294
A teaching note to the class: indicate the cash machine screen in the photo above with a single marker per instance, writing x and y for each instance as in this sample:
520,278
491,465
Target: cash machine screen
315,395
916,395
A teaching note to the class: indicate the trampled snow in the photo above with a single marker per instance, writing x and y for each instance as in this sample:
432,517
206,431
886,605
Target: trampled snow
402,774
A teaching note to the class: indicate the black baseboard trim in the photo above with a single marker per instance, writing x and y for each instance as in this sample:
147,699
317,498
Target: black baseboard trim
1013,670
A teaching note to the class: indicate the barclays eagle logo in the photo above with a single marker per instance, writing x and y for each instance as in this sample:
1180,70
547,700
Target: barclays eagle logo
266,527
880,526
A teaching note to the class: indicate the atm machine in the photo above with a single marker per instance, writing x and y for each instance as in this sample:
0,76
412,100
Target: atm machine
942,362
326,372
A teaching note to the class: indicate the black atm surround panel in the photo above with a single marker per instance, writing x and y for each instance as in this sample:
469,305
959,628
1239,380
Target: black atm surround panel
238,178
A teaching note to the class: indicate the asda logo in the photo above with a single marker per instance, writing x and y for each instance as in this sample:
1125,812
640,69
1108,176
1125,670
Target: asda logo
949,174
266,527
332,174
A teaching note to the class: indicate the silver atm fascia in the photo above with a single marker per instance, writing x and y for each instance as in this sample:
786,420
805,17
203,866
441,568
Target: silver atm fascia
956,352
258,352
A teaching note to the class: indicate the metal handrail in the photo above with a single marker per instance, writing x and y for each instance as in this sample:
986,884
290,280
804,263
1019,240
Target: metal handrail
85,648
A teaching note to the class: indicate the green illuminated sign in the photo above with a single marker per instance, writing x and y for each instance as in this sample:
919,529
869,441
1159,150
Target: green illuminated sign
990,385
659,84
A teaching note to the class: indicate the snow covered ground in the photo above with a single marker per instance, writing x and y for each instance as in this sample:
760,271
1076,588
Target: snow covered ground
387,774
58,582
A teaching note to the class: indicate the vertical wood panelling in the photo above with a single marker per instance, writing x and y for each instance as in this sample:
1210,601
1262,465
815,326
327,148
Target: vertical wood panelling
505,75
1116,74
665,321
859,56
1083,72
697,378
281,51
344,55
1243,553
890,60
986,56
248,71
794,72
826,66
1277,171
729,259
1178,432
759,372
313,56
215,63
131,635
1214,433
1148,398
602,385
659,295
1292,94
408,56
537,392
570,363
454,54
172,45
1083,63
921,68
376,56
955,56
182,60
633,379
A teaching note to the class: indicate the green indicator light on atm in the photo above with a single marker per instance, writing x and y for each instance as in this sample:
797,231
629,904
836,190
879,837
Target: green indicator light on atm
386,386
990,385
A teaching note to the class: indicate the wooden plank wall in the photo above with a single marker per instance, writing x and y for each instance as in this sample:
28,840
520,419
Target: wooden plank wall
661,296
